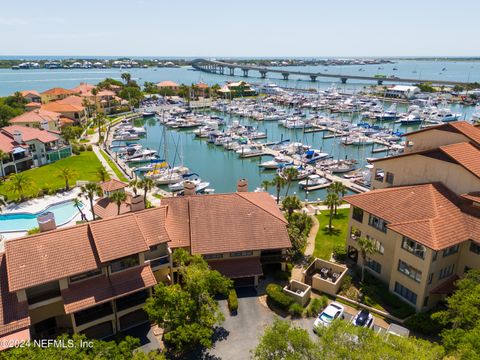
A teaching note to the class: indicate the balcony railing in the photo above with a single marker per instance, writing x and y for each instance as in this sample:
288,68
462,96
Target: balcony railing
89,315
273,259
162,260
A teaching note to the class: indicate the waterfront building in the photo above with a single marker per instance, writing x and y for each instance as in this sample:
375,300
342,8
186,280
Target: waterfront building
423,214
39,118
31,96
27,147
402,92
94,278
235,89
106,208
168,87
69,108
55,94
105,100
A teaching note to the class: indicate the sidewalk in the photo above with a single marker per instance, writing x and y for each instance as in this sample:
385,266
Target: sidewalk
104,162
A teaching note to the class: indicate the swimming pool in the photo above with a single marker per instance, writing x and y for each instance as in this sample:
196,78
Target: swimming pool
64,212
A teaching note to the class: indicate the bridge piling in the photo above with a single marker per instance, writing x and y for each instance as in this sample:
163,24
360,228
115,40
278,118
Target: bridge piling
245,72
313,78
344,80
232,71
285,75
263,74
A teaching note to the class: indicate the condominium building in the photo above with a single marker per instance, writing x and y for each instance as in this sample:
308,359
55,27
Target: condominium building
94,278
423,214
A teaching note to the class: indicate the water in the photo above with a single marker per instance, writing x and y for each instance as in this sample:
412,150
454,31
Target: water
63,212
43,79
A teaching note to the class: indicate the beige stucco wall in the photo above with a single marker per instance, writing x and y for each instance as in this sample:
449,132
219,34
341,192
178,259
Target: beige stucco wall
433,139
44,312
417,169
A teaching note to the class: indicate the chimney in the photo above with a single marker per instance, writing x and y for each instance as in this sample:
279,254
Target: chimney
44,124
188,188
242,185
17,136
136,203
46,222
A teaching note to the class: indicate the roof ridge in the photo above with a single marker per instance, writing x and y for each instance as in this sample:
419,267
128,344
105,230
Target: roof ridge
141,230
262,208
56,230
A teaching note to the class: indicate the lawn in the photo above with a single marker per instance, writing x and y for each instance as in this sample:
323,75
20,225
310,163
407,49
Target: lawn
114,167
326,241
46,177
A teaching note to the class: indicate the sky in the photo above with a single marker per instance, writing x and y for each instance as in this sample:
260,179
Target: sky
245,28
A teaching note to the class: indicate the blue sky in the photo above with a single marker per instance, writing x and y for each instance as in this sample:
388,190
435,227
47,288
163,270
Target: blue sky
240,28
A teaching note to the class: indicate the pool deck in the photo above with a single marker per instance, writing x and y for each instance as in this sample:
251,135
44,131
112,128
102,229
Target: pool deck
39,204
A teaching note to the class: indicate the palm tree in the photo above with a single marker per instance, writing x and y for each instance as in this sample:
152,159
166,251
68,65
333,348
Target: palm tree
3,156
102,173
3,202
19,184
266,184
290,204
338,188
118,197
330,201
291,173
78,204
90,190
367,247
279,183
126,77
99,121
147,185
67,174
134,184
95,93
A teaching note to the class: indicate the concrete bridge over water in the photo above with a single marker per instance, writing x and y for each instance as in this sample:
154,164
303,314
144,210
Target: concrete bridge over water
227,68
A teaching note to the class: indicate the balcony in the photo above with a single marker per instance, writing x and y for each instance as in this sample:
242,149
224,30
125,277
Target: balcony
88,315
160,261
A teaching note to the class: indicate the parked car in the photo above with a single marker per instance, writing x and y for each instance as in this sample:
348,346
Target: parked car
331,312
363,319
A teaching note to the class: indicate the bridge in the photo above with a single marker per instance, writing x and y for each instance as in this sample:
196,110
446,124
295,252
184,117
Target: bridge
228,68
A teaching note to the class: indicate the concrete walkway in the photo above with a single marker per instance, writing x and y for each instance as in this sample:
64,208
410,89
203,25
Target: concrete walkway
104,162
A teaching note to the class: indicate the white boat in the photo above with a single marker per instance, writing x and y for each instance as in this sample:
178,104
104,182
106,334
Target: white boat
342,167
141,153
199,185
143,159
302,172
277,162
362,140
476,114
312,156
249,150
314,182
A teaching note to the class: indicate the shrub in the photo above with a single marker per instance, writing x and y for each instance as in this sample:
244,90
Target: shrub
295,309
423,323
89,148
277,297
34,230
316,305
346,283
82,148
232,301
340,253
75,149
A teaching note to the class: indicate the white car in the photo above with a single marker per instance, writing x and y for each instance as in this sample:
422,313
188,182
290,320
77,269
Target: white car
363,319
330,313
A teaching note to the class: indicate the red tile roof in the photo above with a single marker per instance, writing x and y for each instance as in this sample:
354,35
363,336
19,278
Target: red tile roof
58,107
29,92
428,213
57,91
473,196
106,208
465,154
33,105
101,289
167,83
83,88
13,314
462,127
41,258
238,268
35,116
29,133
205,225
112,185
152,225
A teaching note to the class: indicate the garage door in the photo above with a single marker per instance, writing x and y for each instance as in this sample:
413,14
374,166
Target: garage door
99,331
246,281
132,319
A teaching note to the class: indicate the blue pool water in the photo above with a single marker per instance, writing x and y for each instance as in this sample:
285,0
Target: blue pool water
63,211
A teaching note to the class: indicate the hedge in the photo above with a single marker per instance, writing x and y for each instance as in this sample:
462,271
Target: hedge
232,301
278,297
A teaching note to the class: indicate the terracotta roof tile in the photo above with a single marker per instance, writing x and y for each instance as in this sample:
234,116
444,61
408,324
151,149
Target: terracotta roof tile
101,289
29,133
58,107
152,225
225,223
465,154
470,131
238,268
167,83
473,196
13,314
112,185
35,116
41,258
428,213
57,91
106,208
29,92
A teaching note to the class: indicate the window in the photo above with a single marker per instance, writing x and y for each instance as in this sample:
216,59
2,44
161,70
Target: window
212,256
378,245
413,247
430,278
357,214
405,293
241,253
474,247
410,271
446,272
379,175
32,147
93,313
131,300
377,223
434,256
85,275
450,251
43,292
124,263
389,178
375,266
425,301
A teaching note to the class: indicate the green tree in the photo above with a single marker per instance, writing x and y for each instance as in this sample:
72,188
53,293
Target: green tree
462,318
146,184
95,93
338,188
290,204
278,182
19,184
71,132
3,156
89,191
126,77
188,311
78,204
118,197
291,173
265,185
367,247
331,201
134,184
99,122
67,174
102,173
283,340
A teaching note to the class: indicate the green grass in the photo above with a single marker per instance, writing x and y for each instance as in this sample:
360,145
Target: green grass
86,164
114,167
325,241
158,196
